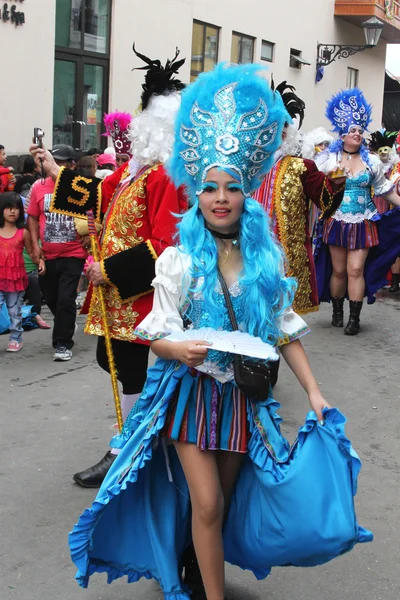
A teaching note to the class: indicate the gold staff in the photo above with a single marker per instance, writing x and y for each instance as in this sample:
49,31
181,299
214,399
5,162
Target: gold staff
100,290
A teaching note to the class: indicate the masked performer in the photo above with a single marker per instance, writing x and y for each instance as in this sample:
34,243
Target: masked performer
139,202
196,435
315,141
383,145
286,193
352,230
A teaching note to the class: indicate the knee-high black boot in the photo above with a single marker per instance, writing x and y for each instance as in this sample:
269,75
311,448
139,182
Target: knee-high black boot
337,312
353,325
395,287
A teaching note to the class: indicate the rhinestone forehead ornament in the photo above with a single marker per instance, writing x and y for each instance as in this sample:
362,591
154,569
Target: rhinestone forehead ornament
221,137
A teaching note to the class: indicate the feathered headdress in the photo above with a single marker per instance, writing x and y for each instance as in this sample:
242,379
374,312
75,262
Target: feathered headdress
348,108
230,119
117,124
159,80
294,105
382,140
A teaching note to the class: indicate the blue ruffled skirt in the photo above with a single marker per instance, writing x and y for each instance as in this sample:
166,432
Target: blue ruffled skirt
291,505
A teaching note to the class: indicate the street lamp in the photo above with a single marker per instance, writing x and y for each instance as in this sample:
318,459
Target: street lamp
327,53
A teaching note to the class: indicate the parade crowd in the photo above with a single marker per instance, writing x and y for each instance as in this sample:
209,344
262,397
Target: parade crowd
213,212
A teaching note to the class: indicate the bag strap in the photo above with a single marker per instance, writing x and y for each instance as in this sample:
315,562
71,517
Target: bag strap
228,300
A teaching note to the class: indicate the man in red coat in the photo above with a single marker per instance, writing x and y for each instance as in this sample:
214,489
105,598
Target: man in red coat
136,205
286,193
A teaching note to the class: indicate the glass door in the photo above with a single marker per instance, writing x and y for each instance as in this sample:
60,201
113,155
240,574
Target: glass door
93,109
64,106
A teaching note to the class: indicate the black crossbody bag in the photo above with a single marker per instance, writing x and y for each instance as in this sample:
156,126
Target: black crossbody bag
252,376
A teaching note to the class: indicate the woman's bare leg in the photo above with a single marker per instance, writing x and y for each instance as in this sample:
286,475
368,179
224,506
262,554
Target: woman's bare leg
355,273
338,285
207,499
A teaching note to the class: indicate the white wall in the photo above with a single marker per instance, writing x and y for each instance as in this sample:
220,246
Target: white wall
288,24
26,97
157,26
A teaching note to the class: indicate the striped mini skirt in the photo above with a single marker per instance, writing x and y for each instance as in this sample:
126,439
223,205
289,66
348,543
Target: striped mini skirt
208,413
353,236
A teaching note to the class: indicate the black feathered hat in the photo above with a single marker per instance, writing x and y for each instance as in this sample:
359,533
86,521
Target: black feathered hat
294,105
380,140
159,80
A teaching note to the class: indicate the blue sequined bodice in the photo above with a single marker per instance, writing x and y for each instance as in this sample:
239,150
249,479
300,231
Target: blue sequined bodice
199,317
357,198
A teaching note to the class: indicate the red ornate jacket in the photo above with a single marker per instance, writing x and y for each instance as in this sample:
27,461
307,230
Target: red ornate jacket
285,194
138,224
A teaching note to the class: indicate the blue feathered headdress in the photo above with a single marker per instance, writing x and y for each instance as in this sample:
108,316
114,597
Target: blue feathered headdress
348,108
231,119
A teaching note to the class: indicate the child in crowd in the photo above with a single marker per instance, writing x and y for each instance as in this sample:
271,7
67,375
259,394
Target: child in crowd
7,179
13,278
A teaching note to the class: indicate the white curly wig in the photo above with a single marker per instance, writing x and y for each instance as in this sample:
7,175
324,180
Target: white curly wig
152,131
312,139
291,145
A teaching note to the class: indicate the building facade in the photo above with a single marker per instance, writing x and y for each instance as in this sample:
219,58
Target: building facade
72,60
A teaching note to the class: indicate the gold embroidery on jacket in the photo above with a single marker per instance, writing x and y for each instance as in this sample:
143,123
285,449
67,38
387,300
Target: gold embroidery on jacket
289,204
122,233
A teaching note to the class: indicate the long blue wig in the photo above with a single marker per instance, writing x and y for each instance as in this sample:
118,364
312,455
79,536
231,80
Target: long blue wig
267,292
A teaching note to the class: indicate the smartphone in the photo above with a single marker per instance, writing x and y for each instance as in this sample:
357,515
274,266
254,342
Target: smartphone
38,135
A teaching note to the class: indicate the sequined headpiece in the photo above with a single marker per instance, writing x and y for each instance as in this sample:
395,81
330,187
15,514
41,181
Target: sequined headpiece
116,125
229,118
348,108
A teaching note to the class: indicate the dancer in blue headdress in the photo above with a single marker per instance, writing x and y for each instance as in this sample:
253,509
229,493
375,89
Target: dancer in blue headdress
196,453
352,230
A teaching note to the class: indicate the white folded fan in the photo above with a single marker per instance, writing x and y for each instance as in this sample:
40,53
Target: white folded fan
235,342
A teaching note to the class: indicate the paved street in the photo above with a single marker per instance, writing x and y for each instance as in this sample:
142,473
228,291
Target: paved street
58,417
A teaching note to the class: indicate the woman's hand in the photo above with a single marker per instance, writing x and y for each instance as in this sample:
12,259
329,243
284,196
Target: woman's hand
318,402
44,158
190,353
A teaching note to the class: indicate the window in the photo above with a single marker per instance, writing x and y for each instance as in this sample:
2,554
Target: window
296,60
83,24
242,48
205,39
267,51
81,72
352,77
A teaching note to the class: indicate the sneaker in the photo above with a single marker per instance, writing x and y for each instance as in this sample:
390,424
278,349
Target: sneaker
62,353
14,346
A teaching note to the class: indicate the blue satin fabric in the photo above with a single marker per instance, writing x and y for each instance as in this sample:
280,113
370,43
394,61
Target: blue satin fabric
291,505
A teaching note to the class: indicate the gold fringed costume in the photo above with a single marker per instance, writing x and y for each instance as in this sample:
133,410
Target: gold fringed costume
285,194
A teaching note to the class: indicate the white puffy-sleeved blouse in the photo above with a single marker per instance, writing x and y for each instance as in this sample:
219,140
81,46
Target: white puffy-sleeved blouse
357,204
174,301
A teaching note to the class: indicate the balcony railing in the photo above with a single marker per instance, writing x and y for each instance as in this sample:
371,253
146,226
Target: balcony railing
357,11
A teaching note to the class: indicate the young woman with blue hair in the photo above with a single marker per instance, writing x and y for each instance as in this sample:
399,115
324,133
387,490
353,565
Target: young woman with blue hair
200,461
352,231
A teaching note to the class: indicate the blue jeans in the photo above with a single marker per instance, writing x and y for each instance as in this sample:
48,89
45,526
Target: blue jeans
13,302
